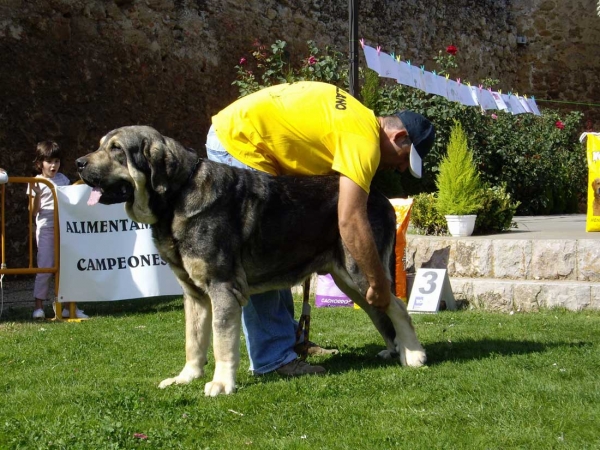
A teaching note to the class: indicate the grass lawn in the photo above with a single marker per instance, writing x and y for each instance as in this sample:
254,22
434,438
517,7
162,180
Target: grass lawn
493,381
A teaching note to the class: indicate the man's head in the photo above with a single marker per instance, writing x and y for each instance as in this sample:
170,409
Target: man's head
406,139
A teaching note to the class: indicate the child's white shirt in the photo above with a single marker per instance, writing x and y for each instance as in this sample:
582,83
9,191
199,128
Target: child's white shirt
45,215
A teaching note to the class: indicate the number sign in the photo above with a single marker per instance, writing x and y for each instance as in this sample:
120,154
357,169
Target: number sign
430,287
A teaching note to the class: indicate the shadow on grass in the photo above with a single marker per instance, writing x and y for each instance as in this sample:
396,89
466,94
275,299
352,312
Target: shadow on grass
438,353
472,349
93,309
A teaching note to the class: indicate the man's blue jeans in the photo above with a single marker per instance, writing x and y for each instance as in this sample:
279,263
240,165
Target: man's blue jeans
268,318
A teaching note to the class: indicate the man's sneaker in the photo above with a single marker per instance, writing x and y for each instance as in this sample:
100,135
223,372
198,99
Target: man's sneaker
298,367
38,314
315,349
79,314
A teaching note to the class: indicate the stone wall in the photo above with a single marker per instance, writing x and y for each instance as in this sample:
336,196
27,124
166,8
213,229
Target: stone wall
560,58
71,70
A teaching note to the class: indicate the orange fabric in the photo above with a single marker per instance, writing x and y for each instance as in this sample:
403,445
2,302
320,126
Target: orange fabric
402,207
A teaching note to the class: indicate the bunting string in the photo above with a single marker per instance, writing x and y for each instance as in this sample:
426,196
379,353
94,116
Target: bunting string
417,77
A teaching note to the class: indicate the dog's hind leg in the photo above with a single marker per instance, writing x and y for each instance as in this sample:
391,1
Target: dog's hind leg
227,304
395,325
198,317
408,346
381,321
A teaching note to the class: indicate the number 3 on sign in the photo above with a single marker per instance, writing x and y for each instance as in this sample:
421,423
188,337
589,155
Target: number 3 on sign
430,287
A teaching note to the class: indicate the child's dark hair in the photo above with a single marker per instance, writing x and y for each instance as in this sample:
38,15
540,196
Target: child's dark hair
45,150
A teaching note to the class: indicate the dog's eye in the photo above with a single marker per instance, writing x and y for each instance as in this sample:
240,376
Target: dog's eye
115,147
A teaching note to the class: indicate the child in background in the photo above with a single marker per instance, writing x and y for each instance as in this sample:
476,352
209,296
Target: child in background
46,163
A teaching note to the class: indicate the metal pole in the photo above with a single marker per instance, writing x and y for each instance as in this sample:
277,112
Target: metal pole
353,24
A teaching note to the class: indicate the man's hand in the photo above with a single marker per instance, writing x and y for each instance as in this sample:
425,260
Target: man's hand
380,299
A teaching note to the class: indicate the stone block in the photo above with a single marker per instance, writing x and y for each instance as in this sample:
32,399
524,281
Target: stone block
595,296
526,296
135,38
493,295
462,288
511,258
553,259
82,27
472,258
571,296
428,252
588,260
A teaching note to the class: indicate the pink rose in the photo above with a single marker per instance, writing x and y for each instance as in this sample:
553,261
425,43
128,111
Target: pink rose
242,61
311,61
560,125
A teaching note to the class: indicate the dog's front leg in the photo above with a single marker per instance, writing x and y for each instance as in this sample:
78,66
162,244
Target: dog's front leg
227,318
198,317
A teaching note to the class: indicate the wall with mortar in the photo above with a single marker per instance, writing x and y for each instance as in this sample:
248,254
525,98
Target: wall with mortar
559,57
72,70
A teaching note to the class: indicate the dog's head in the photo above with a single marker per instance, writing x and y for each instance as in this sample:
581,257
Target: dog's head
138,166
596,188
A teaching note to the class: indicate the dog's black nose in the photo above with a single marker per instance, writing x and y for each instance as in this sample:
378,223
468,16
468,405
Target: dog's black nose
81,163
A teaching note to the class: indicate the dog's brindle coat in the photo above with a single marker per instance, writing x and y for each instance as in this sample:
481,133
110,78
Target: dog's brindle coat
228,233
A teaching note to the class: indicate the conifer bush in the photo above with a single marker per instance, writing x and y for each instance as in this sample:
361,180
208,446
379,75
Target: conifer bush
458,182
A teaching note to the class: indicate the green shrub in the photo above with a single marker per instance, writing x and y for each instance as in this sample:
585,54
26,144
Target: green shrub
387,183
266,68
458,182
539,158
424,216
495,216
497,212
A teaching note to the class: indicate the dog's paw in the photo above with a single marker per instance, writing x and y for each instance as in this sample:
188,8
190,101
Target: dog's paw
187,375
387,354
214,388
169,381
413,358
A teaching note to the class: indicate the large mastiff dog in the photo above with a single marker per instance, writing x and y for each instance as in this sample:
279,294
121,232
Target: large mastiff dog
228,233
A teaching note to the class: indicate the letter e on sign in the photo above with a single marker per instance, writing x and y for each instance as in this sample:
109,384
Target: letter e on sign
430,287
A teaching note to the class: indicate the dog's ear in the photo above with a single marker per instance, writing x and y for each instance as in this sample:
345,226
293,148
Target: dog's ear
157,155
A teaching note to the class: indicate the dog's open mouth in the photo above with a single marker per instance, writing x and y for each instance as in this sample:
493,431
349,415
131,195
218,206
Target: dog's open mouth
118,193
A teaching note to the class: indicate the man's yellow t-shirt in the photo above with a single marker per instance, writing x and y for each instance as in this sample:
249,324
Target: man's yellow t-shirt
304,128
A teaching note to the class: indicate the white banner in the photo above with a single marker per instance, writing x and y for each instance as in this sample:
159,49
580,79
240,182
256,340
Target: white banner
390,66
104,255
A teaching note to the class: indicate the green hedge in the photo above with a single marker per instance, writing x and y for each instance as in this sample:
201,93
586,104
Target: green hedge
538,159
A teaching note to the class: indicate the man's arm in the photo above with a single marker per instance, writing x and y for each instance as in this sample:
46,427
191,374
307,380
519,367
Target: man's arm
356,233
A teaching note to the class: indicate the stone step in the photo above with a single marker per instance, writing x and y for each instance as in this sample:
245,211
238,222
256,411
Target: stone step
506,274
526,295
514,259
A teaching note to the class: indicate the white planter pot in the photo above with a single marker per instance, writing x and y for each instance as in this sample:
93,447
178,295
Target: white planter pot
461,225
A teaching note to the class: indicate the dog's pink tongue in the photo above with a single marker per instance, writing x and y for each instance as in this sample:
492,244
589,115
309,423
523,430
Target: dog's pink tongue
94,196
